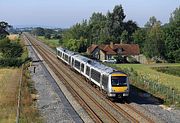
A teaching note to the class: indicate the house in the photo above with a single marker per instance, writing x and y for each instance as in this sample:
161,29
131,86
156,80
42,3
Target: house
109,51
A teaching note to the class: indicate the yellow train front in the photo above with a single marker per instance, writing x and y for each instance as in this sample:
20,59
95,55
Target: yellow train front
118,85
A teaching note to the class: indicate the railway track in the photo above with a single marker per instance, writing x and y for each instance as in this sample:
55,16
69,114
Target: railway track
83,101
67,77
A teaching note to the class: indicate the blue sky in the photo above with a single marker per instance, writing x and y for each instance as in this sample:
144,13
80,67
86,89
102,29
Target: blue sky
65,13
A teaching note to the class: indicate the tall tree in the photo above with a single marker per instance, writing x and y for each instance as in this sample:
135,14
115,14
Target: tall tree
152,22
154,42
172,37
139,37
97,28
115,23
130,27
124,37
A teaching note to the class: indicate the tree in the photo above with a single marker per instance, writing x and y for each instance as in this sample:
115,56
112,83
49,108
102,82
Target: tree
154,42
152,22
139,37
47,36
115,23
130,27
3,29
97,28
39,31
124,37
76,45
172,37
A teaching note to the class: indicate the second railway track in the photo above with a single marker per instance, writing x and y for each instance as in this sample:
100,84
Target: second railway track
96,108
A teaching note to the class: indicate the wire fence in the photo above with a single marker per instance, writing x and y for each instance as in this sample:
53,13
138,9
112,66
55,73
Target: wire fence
167,93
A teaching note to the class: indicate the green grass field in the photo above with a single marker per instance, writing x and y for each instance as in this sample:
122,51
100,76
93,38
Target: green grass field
53,43
173,70
148,71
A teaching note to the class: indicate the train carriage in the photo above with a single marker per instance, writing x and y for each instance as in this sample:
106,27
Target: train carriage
64,54
114,83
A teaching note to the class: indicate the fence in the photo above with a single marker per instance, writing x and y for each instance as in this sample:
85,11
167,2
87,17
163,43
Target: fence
168,94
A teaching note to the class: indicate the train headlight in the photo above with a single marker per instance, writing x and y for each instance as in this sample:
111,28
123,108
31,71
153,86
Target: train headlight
112,90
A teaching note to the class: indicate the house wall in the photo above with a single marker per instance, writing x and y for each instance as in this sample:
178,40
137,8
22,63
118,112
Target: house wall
102,55
110,56
96,53
141,59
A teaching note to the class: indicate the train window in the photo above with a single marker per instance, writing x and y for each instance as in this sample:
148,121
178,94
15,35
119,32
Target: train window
82,67
95,75
87,70
69,59
77,64
60,54
105,81
118,81
66,57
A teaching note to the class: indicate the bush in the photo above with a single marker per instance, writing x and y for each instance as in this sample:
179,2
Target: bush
47,36
131,59
11,62
120,59
12,53
10,49
168,94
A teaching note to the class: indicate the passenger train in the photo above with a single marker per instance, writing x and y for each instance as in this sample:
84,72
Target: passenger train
114,83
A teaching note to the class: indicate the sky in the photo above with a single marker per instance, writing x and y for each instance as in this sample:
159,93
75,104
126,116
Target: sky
65,13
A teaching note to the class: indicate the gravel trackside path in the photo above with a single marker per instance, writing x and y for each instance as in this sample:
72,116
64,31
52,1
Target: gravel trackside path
51,102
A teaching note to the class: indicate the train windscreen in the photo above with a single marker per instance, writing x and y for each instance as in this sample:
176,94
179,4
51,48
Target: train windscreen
117,81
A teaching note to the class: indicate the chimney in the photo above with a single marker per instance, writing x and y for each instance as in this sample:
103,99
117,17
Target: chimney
111,45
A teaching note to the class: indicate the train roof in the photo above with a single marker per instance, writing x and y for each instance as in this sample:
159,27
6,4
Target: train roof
66,51
95,64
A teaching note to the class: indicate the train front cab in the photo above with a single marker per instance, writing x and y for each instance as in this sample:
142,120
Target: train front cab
119,85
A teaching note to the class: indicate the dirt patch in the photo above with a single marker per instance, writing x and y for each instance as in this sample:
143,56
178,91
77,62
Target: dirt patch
13,37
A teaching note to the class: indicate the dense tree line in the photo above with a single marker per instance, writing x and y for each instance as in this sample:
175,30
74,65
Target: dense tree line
100,29
48,33
158,42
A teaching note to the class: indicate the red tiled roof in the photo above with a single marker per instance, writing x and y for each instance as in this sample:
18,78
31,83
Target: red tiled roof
91,48
109,50
127,49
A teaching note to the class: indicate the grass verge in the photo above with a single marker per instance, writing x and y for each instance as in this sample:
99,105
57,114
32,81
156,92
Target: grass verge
53,43
9,80
161,85
152,74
